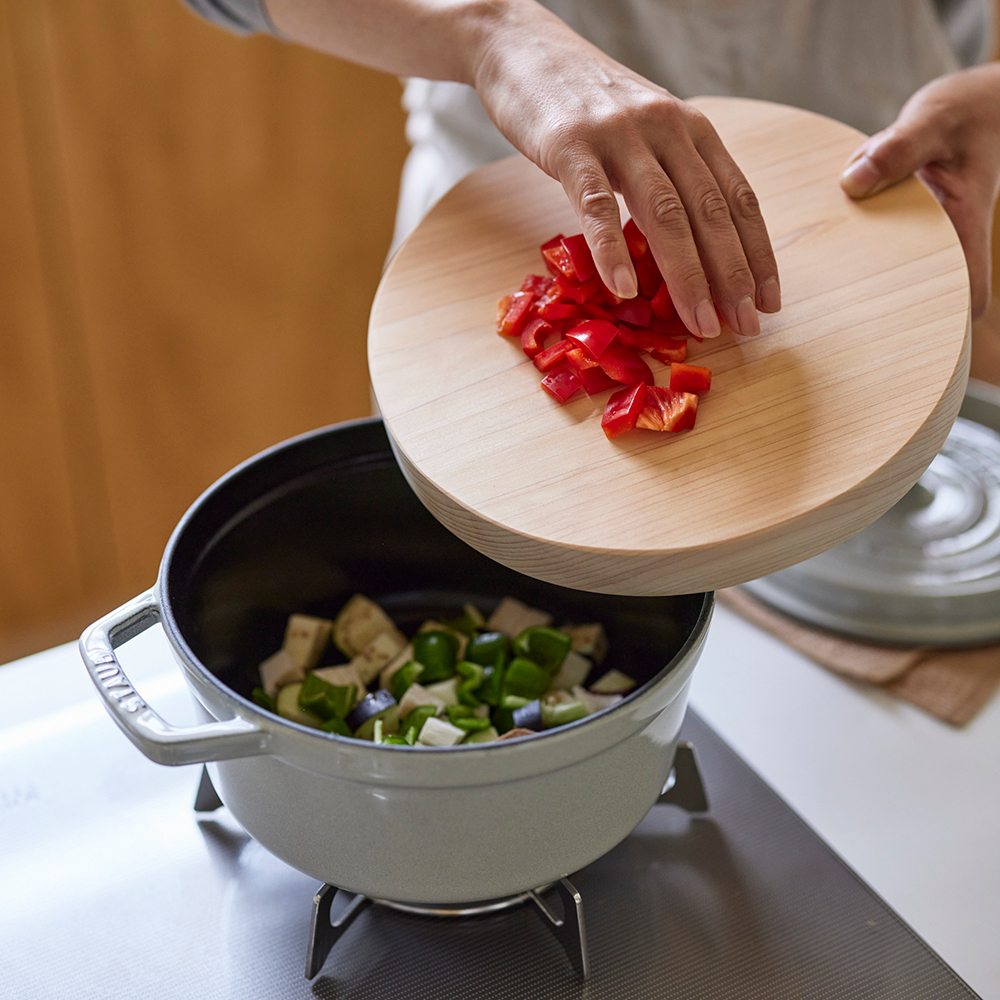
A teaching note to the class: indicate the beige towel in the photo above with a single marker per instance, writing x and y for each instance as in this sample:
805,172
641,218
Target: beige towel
951,684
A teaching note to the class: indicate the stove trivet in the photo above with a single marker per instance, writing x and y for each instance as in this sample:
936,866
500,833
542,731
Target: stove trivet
684,788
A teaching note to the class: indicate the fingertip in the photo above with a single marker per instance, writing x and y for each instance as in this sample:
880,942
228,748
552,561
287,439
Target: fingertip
707,319
769,296
624,282
860,177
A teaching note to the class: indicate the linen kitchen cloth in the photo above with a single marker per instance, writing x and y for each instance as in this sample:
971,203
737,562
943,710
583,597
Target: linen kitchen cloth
950,684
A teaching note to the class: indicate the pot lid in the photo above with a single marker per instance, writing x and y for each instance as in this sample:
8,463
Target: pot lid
928,570
809,433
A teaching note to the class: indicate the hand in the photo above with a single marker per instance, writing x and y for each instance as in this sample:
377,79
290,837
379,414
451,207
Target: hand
948,134
598,128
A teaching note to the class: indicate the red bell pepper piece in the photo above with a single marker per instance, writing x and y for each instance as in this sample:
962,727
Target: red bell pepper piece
553,355
537,283
624,365
580,358
594,311
561,310
665,410
673,327
623,409
662,305
649,275
582,293
580,255
512,313
533,336
677,352
593,335
637,311
689,378
559,262
655,343
561,383
596,380
637,243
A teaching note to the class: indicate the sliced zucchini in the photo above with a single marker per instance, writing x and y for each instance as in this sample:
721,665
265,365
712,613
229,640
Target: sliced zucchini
288,707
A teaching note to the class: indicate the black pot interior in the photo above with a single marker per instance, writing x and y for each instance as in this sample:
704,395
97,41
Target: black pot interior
313,521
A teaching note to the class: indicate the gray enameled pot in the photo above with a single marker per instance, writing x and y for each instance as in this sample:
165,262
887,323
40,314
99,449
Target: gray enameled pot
303,526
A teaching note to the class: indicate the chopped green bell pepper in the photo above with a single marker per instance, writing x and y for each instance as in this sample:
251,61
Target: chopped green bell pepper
526,679
414,720
261,698
336,725
325,699
473,675
547,647
487,648
404,677
436,650
559,715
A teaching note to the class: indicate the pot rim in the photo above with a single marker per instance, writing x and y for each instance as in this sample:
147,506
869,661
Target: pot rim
247,709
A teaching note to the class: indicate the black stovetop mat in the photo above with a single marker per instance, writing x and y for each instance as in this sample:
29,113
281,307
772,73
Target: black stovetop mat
742,902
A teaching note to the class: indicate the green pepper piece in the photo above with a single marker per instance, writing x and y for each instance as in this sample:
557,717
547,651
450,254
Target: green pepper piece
491,688
325,699
458,712
514,701
473,674
526,679
261,698
336,725
403,678
414,721
486,648
503,719
397,741
471,724
436,650
559,715
547,647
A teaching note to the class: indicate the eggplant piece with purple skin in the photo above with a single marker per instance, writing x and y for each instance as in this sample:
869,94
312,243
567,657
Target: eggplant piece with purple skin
529,717
371,706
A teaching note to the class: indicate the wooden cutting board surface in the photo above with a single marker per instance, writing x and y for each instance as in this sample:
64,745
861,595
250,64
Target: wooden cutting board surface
809,432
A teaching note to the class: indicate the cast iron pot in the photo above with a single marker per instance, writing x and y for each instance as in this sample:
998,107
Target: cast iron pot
302,527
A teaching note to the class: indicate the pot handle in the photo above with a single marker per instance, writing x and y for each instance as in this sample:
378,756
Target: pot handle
157,739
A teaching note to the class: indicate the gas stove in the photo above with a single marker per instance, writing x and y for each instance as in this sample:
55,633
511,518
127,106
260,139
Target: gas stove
114,886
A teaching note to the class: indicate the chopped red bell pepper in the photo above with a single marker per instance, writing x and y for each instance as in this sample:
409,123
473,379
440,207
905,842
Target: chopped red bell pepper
637,243
672,327
689,378
561,310
553,355
580,255
594,335
537,283
637,311
559,262
662,305
562,382
665,410
596,380
649,275
580,358
583,292
655,343
624,365
512,313
594,311
534,335
623,409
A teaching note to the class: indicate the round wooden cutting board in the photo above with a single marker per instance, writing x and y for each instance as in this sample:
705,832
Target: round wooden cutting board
809,432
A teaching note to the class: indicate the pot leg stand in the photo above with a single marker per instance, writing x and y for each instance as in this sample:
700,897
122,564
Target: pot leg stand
206,799
684,786
324,933
569,930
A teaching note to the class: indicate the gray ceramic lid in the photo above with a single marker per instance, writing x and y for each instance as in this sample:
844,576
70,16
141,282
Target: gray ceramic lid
926,572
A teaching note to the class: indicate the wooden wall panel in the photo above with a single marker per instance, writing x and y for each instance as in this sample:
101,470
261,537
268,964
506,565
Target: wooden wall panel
225,207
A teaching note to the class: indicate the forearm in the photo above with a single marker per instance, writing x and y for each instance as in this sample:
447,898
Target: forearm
436,39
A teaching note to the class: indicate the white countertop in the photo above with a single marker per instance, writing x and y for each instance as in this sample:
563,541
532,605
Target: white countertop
911,804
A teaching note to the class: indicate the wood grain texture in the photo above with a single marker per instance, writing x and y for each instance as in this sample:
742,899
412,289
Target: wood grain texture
809,432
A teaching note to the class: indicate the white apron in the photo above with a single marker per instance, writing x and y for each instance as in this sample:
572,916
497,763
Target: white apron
854,60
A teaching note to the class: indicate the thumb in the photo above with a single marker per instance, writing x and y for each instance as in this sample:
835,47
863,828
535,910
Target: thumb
887,157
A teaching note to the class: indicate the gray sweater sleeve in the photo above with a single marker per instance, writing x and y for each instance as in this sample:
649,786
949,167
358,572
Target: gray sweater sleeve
242,17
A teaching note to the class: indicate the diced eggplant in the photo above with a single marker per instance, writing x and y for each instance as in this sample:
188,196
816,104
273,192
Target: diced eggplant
342,676
613,682
288,707
381,651
447,690
400,659
512,617
305,639
277,671
588,640
513,734
529,717
360,620
594,702
574,670
370,706
438,733
416,695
